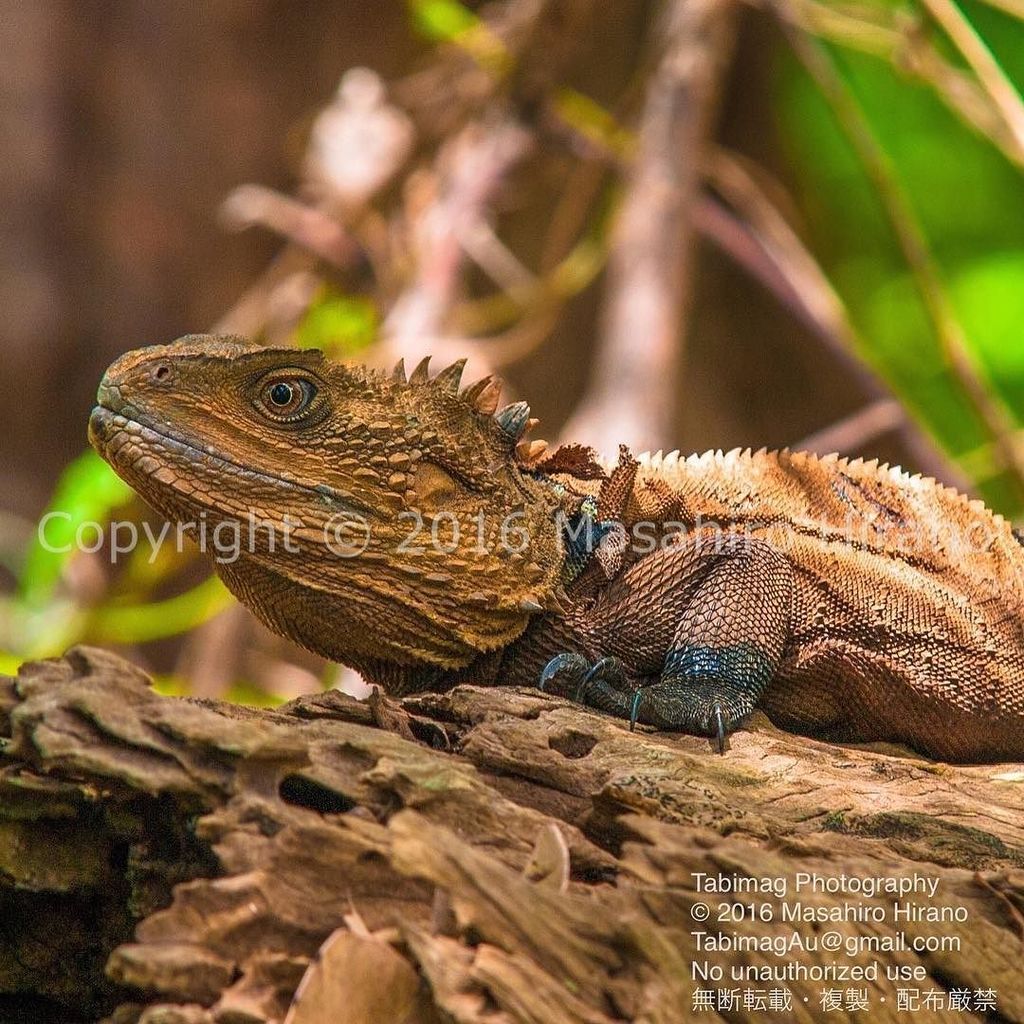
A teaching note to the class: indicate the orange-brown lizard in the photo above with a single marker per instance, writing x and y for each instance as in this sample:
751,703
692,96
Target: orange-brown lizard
405,528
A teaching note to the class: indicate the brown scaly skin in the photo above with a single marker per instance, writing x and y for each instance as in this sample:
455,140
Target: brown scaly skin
847,599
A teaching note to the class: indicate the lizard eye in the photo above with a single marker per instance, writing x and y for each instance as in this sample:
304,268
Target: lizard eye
287,398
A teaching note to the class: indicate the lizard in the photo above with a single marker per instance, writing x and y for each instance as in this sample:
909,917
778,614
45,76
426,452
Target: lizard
848,600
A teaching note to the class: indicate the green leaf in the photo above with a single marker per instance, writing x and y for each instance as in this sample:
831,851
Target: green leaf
87,492
442,21
243,692
340,324
591,120
446,21
989,297
136,624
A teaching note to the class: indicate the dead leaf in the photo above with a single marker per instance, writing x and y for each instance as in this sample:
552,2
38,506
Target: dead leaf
359,980
549,862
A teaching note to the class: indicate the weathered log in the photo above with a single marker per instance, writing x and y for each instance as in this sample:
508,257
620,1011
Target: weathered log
484,855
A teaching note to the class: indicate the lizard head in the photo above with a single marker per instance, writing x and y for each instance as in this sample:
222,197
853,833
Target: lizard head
374,519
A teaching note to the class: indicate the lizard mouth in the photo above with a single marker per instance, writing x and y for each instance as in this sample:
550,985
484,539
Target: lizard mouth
137,450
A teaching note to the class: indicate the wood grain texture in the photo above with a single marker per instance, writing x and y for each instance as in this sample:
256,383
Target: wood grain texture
177,861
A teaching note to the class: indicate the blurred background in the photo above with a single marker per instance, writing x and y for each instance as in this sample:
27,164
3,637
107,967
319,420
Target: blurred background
682,224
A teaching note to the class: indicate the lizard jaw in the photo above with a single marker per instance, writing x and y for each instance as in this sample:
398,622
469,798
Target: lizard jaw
106,426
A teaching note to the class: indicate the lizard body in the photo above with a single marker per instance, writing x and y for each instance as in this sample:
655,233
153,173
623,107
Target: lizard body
848,600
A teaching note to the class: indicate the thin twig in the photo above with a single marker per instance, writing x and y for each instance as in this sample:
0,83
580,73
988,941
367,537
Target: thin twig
209,661
251,311
852,433
468,173
899,40
308,227
991,76
495,259
731,179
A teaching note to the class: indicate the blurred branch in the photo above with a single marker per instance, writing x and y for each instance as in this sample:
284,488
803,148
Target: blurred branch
631,398
996,417
495,259
253,311
306,226
209,661
853,432
480,100
358,143
573,254
763,243
862,27
517,45
443,209
823,308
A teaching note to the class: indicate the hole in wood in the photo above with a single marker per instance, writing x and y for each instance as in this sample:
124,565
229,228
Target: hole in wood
303,792
572,743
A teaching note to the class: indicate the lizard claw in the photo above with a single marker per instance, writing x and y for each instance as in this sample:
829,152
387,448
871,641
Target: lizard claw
720,725
634,709
564,667
603,685
607,670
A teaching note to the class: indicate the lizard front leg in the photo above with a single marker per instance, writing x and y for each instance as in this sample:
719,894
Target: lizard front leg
708,621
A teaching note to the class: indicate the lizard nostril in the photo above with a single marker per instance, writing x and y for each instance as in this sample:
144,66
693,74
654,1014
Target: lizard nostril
161,372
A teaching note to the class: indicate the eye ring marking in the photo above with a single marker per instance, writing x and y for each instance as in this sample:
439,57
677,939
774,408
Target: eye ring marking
286,398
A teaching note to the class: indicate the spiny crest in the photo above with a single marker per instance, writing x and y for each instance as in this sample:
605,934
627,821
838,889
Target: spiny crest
484,395
863,469
450,378
575,460
422,372
530,452
481,397
513,419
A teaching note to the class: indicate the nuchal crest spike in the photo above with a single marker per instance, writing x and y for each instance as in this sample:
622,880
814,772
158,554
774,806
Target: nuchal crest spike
529,451
513,419
422,372
483,395
450,377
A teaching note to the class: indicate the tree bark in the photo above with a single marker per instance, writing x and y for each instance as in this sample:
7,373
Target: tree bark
487,855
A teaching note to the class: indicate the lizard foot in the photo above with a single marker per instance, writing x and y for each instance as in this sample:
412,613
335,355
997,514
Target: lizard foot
703,690
711,699
603,685
669,705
